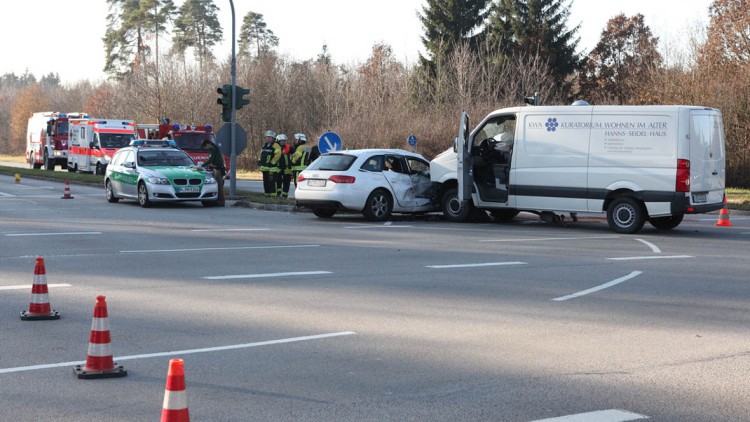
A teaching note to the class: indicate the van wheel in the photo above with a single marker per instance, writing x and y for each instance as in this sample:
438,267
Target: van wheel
323,212
666,223
503,215
378,206
626,215
110,192
453,209
143,195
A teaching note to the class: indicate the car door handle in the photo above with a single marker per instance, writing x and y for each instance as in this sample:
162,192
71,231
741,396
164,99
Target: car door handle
715,173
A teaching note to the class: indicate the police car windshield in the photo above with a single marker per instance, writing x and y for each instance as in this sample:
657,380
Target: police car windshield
162,158
115,140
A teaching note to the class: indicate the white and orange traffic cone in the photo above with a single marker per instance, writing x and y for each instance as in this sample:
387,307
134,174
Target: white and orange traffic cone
723,220
66,194
175,407
39,308
99,361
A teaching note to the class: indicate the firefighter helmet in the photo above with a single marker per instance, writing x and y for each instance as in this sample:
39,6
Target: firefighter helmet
270,134
300,137
281,137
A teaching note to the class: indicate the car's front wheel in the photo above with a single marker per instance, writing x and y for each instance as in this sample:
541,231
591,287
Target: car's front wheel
143,195
110,192
453,208
379,206
323,212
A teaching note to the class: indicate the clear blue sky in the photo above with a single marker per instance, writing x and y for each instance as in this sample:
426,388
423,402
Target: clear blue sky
65,37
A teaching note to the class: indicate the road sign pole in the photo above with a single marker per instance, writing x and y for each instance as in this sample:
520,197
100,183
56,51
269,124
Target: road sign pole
232,136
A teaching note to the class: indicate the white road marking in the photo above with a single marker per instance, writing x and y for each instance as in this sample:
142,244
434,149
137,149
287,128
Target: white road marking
7,195
184,352
51,234
384,226
633,258
548,238
236,248
600,287
650,245
228,230
611,415
28,286
484,264
232,277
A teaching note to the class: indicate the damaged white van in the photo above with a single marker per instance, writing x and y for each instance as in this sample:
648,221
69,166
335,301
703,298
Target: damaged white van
634,163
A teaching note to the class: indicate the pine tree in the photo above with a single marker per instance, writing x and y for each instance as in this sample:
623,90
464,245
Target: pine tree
448,23
535,27
255,32
197,26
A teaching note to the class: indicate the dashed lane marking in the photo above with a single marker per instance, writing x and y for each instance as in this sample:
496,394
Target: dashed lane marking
236,248
600,287
228,230
384,226
51,234
28,286
634,258
531,239
482,264
611,415
184,352
287,274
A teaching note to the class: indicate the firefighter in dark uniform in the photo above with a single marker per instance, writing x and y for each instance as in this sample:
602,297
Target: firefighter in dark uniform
265,165
285,168
215,163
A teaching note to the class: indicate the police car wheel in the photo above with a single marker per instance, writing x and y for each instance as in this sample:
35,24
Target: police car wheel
110,192
626,215
378,206
143,195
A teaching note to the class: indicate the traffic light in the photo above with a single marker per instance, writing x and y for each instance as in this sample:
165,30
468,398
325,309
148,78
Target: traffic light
238,94
226,102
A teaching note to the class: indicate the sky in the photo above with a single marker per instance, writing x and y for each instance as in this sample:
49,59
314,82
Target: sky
44,36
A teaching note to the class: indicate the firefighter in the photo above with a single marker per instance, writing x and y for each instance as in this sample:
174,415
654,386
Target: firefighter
285,168
301,156
266,163
215,163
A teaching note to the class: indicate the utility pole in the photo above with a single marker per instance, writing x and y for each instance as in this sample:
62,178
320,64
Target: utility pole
232,136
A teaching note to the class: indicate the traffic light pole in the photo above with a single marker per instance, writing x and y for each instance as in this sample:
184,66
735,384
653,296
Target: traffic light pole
233,132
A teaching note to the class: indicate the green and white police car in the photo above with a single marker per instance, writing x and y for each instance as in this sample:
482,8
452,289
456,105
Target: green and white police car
158,174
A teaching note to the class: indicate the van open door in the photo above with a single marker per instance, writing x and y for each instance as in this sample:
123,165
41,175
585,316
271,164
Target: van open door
463,168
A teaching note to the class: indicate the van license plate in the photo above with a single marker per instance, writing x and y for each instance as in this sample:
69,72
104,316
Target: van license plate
188,189
699,198
316,182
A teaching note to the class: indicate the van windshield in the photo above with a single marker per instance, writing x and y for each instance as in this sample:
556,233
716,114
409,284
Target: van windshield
115,140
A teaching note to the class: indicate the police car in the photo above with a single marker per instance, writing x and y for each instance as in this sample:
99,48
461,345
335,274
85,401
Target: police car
151,174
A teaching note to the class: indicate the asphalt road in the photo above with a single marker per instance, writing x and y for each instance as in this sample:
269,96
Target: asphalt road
283,316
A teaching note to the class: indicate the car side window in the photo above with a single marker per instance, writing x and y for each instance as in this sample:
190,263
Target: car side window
130,158
395,163
374,163
117,159
417,166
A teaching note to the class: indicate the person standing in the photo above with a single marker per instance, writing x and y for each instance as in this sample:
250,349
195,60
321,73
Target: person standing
285,168
268,170
215,163
300,156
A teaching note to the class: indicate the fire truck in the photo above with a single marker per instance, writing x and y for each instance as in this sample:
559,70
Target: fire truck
47,139
93,142
187,137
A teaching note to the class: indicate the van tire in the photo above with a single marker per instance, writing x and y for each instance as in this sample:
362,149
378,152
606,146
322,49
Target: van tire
453,210
666,223
626,215
379,206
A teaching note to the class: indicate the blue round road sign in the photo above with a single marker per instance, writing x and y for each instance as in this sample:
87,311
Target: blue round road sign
412,140
328,142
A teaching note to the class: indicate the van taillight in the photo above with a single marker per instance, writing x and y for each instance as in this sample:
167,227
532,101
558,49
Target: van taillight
683,176
342,179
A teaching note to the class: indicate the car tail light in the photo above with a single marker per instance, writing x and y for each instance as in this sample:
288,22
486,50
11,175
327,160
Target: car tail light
342,179
300,178
683,176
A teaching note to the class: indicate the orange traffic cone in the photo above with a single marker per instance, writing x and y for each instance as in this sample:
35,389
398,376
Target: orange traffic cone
67,194
39,308
724,216
99,361
175,407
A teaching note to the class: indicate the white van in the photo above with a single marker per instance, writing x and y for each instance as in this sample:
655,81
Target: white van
634,163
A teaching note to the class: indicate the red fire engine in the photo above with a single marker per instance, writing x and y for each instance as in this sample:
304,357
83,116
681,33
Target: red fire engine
47,139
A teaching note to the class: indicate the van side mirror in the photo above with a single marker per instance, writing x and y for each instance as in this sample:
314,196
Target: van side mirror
455,144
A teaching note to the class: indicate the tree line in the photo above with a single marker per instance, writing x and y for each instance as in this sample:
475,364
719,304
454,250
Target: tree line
480,55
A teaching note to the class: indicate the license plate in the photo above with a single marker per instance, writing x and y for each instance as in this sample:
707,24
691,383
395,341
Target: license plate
316,182
699,198
188,189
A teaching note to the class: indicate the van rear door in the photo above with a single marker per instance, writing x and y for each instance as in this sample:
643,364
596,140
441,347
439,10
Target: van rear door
707,157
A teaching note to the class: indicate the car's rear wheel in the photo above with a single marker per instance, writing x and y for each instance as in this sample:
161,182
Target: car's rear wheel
453,209
379,206
323,212
626,215
110,192
666,223
143,195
